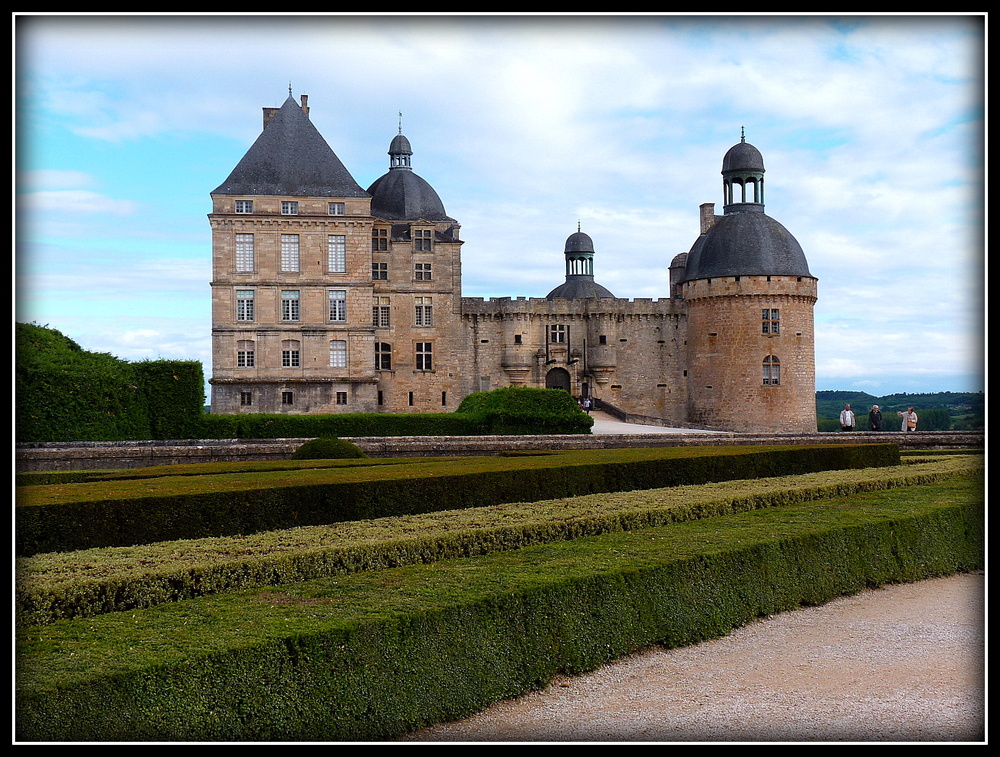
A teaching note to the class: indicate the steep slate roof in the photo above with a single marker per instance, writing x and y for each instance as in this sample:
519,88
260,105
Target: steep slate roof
746,244
290,158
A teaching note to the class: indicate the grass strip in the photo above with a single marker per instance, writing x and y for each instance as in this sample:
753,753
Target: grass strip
371,655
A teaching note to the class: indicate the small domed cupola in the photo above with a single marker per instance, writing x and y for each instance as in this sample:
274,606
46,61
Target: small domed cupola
400,194
743,178
579,284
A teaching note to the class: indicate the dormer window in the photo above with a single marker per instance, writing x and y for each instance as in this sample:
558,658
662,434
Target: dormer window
244,206
422,240
335,208
289,208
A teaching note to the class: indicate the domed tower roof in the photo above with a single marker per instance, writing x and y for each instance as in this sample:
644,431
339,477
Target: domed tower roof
745,241
402,195
579,284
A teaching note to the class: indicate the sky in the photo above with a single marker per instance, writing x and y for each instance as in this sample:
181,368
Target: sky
872,130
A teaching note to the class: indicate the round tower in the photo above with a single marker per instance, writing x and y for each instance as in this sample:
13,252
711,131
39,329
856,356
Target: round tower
750,299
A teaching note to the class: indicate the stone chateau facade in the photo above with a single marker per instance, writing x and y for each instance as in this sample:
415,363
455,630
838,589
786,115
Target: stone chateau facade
328,297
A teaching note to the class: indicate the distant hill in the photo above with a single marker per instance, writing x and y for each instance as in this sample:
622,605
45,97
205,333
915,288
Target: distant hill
938,411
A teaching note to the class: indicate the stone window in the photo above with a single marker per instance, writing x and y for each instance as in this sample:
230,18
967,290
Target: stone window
335,208
341,398
383,357
338,353
287,398
557,334
772,371
245,354
244,206
422,240
290,253
244,253
290,354
380,240
246,398
422,272
338,305
423,312
770,321
244,304
336,247
289,208
380,271
424,360
380,312
290,305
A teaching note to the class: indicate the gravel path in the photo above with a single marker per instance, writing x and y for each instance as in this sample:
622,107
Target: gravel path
902,663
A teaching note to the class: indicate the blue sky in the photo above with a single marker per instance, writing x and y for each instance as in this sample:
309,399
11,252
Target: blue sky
871,128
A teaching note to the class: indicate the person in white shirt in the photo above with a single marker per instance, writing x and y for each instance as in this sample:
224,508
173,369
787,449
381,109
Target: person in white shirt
847,419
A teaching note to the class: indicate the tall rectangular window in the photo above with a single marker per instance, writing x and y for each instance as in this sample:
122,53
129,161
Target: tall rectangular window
290,305
422,240
424,357
338,353
383,357
770,321
244,304
380,240
290,354
380,312
423,312
245,354
341,398
338,305
244,253
290,253
336,248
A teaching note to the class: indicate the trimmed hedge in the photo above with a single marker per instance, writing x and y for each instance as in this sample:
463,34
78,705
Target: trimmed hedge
347,659
80,516
523,410
90,582
65,393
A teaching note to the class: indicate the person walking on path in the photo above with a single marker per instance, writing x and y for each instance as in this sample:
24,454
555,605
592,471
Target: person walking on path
847,419
875,418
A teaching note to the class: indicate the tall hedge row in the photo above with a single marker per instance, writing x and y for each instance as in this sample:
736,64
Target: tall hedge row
65,393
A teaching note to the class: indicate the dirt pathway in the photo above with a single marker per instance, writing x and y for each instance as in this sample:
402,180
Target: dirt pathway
901,663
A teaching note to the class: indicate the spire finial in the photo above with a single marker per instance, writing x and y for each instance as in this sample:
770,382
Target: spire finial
743,137
400,122
578,225
289,87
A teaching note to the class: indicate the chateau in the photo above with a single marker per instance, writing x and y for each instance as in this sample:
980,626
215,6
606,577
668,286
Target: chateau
327,298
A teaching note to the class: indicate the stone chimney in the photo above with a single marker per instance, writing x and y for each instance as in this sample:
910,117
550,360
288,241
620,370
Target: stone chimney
707,216
270,113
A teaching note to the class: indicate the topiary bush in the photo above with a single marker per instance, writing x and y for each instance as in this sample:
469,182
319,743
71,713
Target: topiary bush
329,448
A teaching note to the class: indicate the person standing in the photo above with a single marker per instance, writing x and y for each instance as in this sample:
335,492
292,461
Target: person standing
847,419
909,420
875,418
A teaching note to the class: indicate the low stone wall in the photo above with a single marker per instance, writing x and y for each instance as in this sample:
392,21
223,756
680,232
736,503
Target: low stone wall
117,455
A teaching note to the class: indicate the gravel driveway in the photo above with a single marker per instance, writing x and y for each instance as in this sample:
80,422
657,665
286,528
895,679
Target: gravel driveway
901,663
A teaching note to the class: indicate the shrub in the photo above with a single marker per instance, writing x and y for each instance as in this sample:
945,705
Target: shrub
327,449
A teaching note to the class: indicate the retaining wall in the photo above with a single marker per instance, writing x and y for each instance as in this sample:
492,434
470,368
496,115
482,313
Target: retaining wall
115,455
